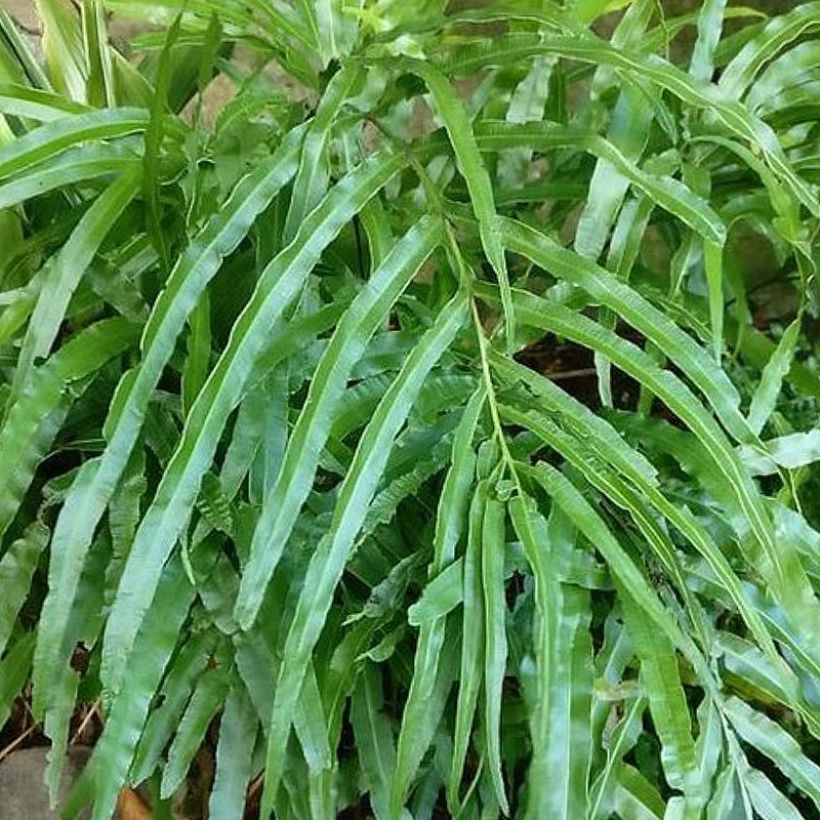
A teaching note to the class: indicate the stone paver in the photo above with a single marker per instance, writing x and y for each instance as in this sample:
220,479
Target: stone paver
22,793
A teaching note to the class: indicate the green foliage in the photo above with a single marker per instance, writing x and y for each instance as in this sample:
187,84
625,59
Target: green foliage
431,426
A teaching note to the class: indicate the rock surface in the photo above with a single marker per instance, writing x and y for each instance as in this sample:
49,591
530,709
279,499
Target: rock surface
22,793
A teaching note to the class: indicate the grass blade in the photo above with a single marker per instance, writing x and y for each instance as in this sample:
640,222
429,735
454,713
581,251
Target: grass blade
75,165
36,103
63,48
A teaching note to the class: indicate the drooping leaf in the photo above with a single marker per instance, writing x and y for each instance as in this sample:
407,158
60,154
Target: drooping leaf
65,271
96,481
210,692
28,429
417,721
234,754
14,670
495,637
327,563
775,743
374,736
765,397
475,174
17,567
310,433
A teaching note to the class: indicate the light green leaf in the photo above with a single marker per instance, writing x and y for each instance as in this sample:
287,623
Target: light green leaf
778,33
472,645
63,47
669,193
234,754
199,353
560,725
629,133
438,598
442,595
328,561
787,73
179,682
635,797
593,526
621,741
83,624
667,703
724,798
97,480
374,739
493,543
710,26
17,567
114,752
327,387
768,802
588,10
779,563
14,672
640,313
314,166
75,165
472,168
565,722
579,419
36,104
208,696
713,264
777,744
50,139
504,49
790,452
65,271
29,429
175,496
771,380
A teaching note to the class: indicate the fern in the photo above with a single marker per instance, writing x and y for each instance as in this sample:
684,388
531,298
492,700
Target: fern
287,446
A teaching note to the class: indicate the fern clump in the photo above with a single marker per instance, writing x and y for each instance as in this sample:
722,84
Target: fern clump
415,404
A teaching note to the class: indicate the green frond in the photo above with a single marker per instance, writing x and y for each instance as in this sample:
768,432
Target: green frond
412,407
